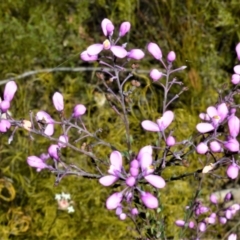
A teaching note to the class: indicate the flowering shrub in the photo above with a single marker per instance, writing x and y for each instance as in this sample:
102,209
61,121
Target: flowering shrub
137,176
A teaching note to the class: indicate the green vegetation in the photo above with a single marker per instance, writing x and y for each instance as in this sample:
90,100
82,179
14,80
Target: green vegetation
49,34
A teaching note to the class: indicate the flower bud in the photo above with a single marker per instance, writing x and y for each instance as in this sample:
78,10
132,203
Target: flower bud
4,125
170,141
155,50
180,223
124,29
130,181
171,56
36,162
232,145
53,151
202,227
235,79
155,75
215,146
232,171
237,69
122,216
134,211
106,22
79,110
58,101
62,139
9,91
202,148
136,54
213,198
4,106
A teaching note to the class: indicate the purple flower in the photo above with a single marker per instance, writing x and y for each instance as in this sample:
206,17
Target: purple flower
62,139
215,146
171,56
216,116
162,123
155,75
53,151
58,101
233,125
79,110
96,48
45,118
232,171
107,27
213,198
147,168
9,91
4,125
36,162
115,169
232,145
114,200
154,49
149,200
124,29
136,54
88,58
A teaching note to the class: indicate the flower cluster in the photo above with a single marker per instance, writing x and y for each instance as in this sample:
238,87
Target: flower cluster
140,168
204,217
93,51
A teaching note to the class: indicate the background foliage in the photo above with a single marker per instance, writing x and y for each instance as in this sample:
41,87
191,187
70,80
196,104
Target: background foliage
48,34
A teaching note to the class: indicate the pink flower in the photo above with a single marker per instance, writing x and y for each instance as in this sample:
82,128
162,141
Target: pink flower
114,200
96,48
53,151
36,162
171,56
162,123
115,169
233,125
180,223
79,110
154,49
235,79
215,116
4,125
232,171
62,139
136,54
202,148
149,200
124,29
238,51
147,168
44,118
155,75
107,27
88,58
170,141
232,145
9,91
237,69
58,101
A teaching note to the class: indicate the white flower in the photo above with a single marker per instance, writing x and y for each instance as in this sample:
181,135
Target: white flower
70,209
58,197
66,196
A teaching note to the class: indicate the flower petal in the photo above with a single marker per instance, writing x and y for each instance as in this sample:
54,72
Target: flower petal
156,181
204,127
150,126
94,49
86,57
114,200
104,24
149,200
108,180
136,54
116,160
119,51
